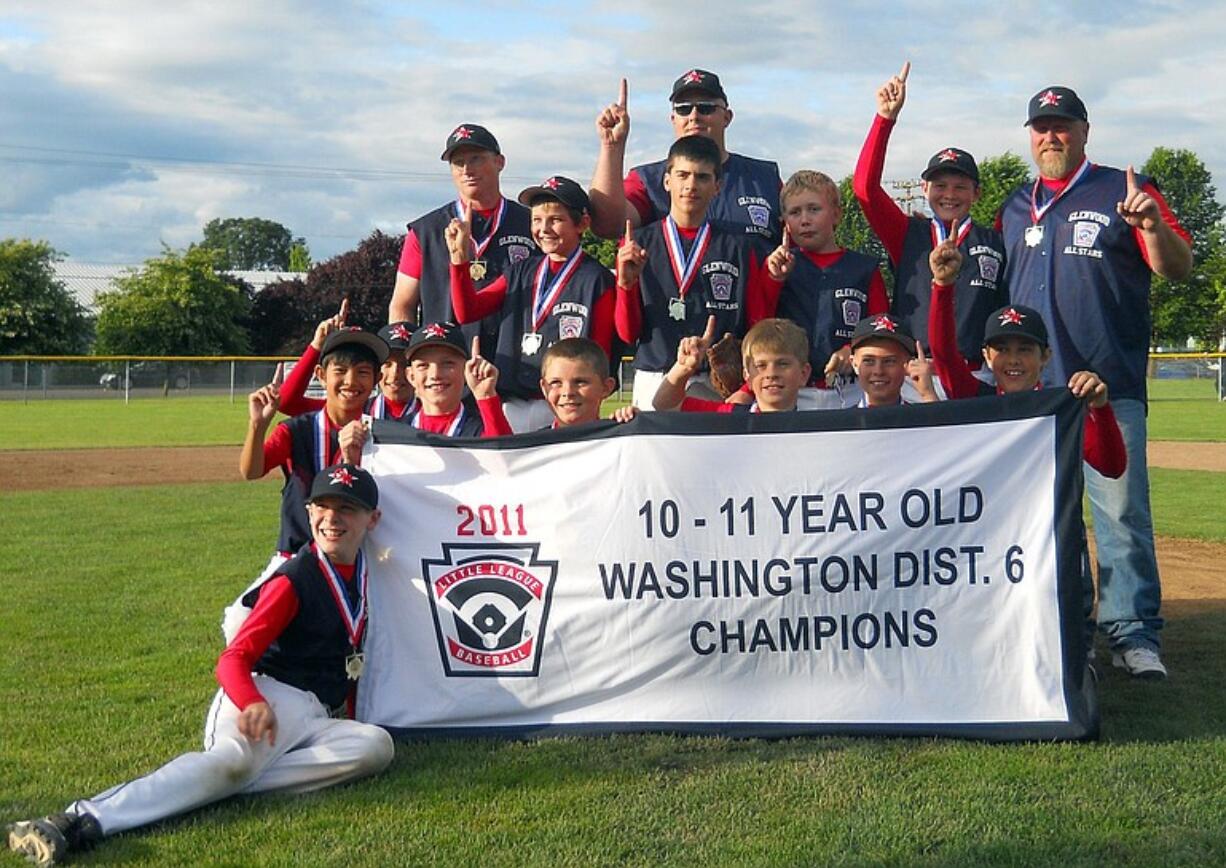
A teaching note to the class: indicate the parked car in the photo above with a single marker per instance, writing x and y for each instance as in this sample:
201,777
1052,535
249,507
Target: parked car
145,374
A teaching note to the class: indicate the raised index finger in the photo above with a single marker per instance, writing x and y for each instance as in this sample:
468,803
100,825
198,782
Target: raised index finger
344,314
476,346
709,334
787,238
622,93
1131,179
629,232
905,71
278,375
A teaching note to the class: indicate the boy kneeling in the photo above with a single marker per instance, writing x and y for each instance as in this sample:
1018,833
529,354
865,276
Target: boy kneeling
286,680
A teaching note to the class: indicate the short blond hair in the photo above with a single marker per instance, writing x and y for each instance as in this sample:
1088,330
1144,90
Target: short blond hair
807,179
775,336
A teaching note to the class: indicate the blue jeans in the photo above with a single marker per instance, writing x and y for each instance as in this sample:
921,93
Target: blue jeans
1129,593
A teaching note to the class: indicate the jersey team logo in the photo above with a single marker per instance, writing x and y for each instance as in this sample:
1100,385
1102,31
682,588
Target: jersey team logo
989,267
570,326
851,311
721,286
490,604
760,215
517,253
1085,233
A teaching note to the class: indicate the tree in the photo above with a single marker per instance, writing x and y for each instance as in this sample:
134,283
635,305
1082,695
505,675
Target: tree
854,233
1192,307
249,243
38,315
299,256
365,276
177,304
603,250
279,319
998,177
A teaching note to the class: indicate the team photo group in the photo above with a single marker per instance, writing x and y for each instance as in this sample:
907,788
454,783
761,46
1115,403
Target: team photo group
732,296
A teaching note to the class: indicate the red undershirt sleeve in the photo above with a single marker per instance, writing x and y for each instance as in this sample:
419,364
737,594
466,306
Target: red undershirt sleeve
493,420
762,293
883,214
950,366
878,298
471,304
278,447
604,321
293,390
275,607
410,257
1103,443
628,313
700,405
636,194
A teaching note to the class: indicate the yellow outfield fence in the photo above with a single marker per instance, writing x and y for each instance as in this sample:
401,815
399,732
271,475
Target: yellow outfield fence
26,378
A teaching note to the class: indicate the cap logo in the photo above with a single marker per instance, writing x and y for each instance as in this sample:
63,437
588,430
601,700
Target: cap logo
1049,98
947,155
884,323
693,77
461,133
551,183
1011,317
434,330
341,476
399,332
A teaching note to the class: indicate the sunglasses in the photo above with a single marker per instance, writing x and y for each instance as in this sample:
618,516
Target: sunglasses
704,108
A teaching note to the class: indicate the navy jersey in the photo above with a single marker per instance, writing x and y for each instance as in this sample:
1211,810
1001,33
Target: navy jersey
719,288
310,652
1087,277
569,317
512,243
748,195
304,459
981,287
827,302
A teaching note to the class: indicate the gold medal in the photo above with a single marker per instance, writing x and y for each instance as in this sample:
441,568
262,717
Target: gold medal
476,269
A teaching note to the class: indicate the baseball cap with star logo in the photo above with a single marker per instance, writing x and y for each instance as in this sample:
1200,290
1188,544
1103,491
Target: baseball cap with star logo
347,481
1056,102
698,81
470,135
397,334
564,190
437,334
1015,319
355,335
952,160
882,326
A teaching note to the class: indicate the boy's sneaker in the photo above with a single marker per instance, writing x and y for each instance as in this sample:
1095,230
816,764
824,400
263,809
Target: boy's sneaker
49,840
1141,662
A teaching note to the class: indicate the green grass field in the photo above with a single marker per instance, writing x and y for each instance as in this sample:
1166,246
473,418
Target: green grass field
109,634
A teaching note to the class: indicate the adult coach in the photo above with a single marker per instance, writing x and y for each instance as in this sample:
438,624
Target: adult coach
749,188
500,234
1082,244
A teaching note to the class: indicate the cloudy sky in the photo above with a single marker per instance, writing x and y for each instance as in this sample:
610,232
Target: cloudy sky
128,124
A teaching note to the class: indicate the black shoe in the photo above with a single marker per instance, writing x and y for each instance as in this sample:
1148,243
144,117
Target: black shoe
49,840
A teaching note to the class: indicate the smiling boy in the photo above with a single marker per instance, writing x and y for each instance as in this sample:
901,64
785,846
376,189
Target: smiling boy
885,355
951,186
439,368
559,293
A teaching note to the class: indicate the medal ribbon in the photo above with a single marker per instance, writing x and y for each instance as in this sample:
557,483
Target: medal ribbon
1036,213
354,618
379,408
939,233
684,268
478,249
452,429
543,299
321,441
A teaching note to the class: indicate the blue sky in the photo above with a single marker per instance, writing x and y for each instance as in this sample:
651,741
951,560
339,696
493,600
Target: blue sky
128,124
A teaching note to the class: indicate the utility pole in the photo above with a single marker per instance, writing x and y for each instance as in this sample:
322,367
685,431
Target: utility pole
911,196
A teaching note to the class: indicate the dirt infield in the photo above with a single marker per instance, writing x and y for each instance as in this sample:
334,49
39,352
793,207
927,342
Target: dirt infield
1190,570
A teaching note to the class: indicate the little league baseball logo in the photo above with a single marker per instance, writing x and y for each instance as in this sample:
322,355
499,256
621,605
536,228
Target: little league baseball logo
721,286
517,253
490,604
570,326
759,214
851,311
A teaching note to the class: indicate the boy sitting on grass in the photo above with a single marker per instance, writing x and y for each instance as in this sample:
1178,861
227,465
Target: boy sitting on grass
279,721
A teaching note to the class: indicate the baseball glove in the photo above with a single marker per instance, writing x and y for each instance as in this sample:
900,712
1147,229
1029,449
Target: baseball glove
727,368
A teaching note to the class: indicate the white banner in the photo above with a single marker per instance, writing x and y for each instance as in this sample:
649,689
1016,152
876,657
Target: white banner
671,574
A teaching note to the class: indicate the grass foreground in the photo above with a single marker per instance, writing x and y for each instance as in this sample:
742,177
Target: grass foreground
110,632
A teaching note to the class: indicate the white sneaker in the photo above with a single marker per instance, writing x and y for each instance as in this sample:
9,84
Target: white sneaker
1141,662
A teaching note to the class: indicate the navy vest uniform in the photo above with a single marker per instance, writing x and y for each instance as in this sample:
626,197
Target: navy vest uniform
310,653
295,531
827,302
570,317
748,195
719,289
981,287
1087,277
512,244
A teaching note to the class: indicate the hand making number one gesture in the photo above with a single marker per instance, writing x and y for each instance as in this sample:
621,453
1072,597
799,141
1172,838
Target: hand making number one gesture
631,258
1139,209
781,262
480,374
892,94
459,233
613,124
263,403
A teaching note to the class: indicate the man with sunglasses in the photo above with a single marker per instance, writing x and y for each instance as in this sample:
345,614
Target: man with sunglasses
749,191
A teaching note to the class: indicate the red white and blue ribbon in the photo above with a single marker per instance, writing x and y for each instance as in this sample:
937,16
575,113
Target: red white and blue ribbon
379,408
322,450
940,233
1037,212
684,267
545,292
479,247
353,615
453,430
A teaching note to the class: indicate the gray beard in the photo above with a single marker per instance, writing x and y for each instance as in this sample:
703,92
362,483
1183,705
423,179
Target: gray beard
1055,164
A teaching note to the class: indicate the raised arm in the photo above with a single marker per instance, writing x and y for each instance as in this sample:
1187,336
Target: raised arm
608,198
883,214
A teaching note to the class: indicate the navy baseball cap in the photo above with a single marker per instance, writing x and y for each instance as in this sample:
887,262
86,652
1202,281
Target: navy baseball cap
347,481
700,80
471,135
564,190
1056,102
354,335
1015,319
952,160
397,334
438,334
883,327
